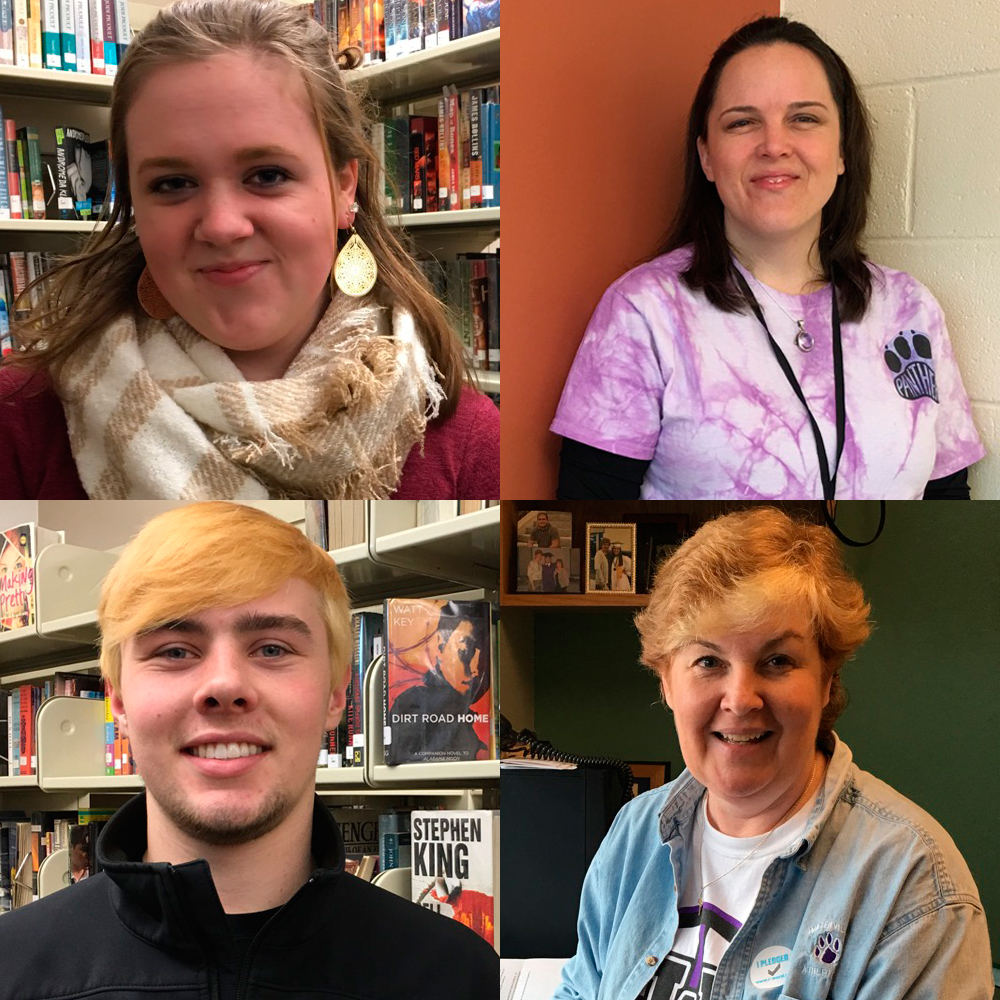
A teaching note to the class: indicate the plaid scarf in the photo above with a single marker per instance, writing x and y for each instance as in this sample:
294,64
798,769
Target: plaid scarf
155,410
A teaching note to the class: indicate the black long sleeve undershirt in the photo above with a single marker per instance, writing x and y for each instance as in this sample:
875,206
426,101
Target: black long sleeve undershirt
587,473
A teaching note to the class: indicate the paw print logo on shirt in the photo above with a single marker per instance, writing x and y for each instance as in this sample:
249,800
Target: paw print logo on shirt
827,948
908,357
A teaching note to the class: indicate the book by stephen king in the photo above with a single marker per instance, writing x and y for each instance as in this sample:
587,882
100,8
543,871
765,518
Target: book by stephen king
438,680
454,862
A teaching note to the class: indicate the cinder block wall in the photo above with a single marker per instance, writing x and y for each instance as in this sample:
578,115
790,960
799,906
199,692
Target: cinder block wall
930,72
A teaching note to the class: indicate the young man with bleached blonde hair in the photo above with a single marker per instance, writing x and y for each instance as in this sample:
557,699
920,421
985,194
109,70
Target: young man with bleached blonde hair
226,640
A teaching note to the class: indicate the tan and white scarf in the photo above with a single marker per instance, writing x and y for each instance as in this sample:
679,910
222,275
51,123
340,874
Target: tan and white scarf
158,411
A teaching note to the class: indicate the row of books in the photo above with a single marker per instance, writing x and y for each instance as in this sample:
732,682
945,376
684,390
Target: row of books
76,36
453,855
19,709
26,841
79,185
388,29
445,162
470,287
17,270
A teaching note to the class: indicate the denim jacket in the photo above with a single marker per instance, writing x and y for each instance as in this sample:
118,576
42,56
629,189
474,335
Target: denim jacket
874,903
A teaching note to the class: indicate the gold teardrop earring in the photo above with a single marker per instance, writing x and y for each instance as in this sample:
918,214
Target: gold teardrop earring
152,299
356,270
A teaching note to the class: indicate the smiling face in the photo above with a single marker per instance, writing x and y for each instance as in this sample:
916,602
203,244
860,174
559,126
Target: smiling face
225,711
772,145
747,708
233,205
459,658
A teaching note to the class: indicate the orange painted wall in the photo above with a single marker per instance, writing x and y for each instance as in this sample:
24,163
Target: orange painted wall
595,98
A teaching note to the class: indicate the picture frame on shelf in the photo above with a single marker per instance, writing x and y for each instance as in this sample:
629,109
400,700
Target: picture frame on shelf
549,529
660,535
611,551
548,571
648,774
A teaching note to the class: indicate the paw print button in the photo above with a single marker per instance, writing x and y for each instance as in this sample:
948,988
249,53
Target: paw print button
908,357
827,948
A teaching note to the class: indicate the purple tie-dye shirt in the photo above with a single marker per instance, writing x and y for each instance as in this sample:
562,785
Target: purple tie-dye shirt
663,375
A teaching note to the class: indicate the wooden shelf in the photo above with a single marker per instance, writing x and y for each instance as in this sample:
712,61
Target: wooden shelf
464,62
557,601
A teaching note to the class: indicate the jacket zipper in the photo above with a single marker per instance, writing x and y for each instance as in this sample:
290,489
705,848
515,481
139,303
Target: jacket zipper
241,984
213,970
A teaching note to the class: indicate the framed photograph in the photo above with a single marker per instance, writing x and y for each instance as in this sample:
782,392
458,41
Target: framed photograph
548,571
648,774
610,558
547,529
660,535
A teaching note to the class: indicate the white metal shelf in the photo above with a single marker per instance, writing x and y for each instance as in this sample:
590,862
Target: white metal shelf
488,381
67,582
417,561
464,62
19,781
81,88
49,225
464,218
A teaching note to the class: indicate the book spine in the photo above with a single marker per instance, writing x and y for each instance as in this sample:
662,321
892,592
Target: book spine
13,175
96,21
444,161
431,164
418,166
21,54
110,38
6,33
36,704
109,732
54,37
123,29
22,176
81,20
493,311
14,750
428,30
464,140
24,729
454,153
35,34
4,736
495,151
475,151
5,206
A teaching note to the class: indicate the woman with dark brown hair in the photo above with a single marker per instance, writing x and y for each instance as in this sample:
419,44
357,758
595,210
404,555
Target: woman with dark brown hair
758,353
247,325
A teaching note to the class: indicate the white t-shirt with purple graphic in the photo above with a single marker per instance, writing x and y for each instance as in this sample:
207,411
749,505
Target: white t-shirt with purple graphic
689,969
662,375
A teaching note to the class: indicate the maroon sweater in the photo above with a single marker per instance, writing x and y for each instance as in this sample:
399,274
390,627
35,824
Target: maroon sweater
460,460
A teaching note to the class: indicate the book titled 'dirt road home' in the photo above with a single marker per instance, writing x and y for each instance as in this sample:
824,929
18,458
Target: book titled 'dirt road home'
437,681
454,865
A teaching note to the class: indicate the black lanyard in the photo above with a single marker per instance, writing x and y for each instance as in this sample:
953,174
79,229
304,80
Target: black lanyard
828,476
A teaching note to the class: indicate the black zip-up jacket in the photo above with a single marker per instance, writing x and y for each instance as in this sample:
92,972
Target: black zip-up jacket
158,931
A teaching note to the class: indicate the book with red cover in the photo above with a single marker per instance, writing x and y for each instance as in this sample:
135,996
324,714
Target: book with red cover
424,163
438,676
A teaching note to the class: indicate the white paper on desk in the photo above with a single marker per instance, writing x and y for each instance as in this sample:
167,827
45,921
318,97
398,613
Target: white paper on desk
529,762
529,978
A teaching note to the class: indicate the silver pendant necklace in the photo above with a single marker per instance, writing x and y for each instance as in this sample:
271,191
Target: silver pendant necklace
803,338
760,843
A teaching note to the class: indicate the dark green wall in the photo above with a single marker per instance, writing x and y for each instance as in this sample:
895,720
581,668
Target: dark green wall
925,690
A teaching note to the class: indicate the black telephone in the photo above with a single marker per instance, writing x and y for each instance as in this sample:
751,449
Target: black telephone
524,743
